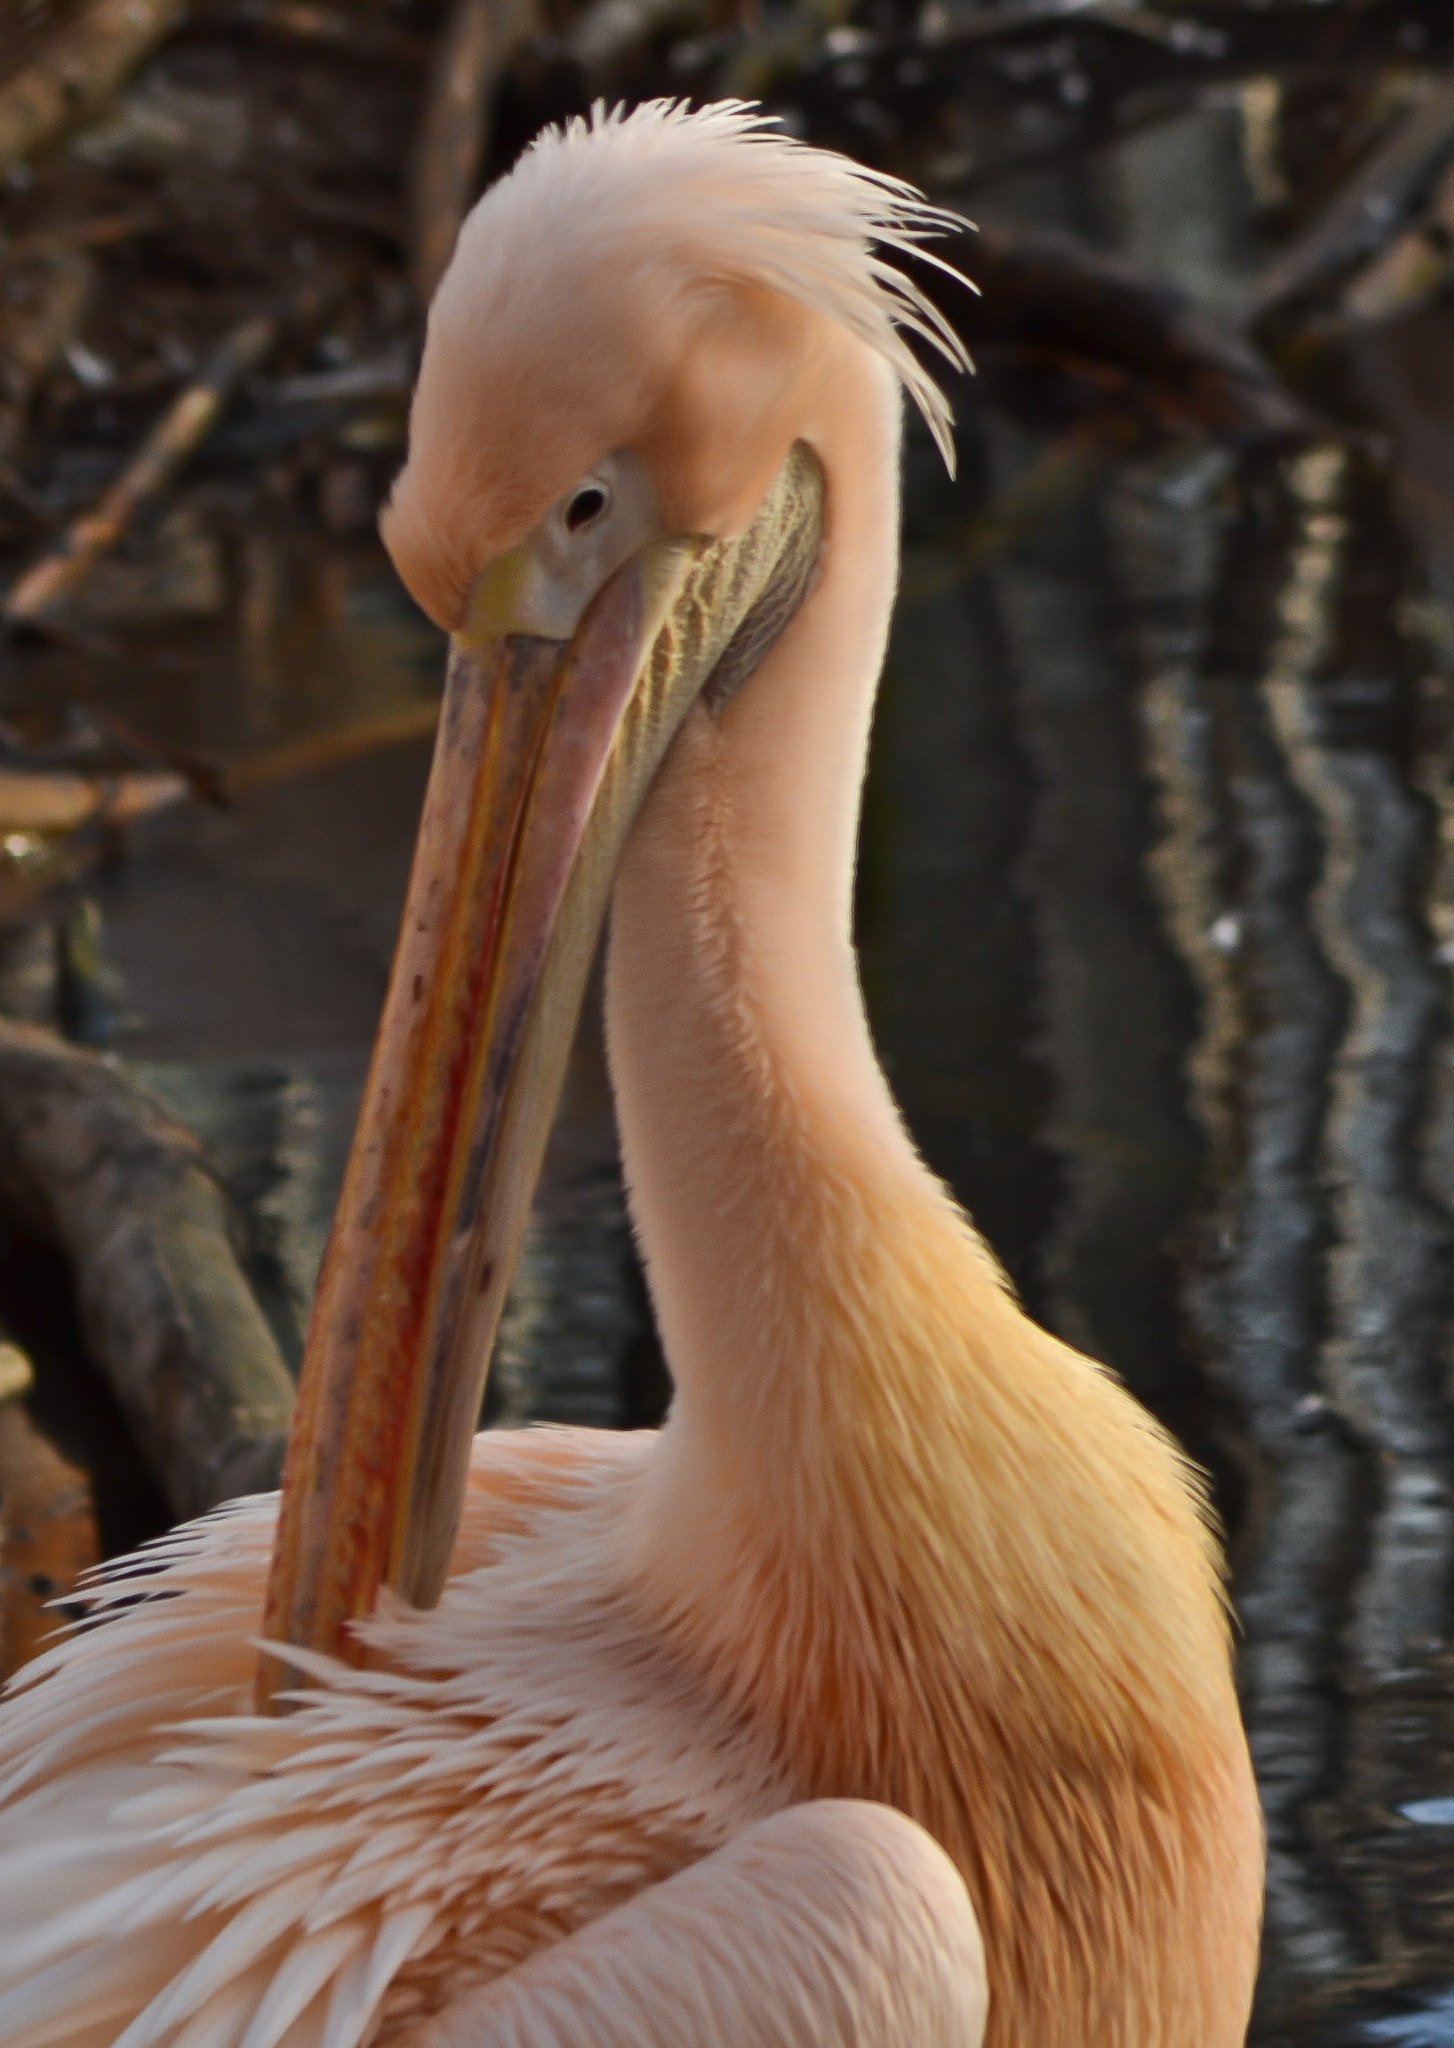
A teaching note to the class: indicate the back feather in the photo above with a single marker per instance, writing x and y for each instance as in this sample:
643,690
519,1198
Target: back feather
178,1873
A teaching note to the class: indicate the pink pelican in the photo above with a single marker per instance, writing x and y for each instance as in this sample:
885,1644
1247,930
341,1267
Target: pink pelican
882,1699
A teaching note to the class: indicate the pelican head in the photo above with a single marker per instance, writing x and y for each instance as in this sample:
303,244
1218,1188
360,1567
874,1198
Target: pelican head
613,503
659,286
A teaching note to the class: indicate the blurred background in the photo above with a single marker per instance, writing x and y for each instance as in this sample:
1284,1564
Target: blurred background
1156,903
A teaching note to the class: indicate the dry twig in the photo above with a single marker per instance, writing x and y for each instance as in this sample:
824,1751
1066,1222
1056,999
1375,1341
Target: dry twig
185,424
1370,209
326,749
1413,269
47,802
79,70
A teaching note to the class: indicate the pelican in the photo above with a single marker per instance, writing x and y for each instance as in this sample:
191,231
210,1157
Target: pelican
882,1698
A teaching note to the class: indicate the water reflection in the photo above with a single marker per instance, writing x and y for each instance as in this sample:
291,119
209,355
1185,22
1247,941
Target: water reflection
1203,700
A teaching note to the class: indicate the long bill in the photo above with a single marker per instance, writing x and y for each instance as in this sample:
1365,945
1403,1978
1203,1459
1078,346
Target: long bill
545,751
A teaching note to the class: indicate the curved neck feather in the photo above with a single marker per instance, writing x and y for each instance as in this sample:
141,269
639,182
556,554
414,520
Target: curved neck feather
838,1336
740,1054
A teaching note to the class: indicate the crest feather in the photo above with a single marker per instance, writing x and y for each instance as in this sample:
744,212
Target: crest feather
724,189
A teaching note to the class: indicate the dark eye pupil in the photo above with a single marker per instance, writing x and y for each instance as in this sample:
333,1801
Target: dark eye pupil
585,506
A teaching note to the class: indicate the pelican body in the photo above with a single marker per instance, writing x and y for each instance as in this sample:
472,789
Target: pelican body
882,1698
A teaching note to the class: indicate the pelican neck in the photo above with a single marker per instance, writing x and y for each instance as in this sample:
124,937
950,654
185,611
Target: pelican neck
745,1078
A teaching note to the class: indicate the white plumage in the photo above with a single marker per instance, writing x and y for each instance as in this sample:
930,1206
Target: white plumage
528,1762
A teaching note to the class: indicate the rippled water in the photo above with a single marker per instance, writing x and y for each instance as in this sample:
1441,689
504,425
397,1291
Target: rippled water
1157,965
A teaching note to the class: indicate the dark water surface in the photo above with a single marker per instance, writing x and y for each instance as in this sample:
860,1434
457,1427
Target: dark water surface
1157,922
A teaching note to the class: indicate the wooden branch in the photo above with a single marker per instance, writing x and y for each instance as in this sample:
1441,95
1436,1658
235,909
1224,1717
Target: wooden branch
1370,209
478,42
92,1164
1413,269
182,428
82,66
1147,346
43,801
323,750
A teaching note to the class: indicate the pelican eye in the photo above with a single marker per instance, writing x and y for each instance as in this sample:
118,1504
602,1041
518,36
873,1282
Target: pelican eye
543,586
587,505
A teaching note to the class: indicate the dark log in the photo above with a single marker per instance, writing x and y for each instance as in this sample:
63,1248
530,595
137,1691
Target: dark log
92,1164
1051,301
